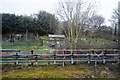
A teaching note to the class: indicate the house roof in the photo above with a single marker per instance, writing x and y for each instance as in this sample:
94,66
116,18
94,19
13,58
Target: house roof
56,36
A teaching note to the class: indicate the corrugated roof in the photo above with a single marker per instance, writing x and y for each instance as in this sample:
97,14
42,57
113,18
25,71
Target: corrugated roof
56,36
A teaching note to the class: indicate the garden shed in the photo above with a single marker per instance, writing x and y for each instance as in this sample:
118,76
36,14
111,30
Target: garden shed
56,41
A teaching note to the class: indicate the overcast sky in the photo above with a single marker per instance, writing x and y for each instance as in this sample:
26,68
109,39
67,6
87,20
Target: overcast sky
28,7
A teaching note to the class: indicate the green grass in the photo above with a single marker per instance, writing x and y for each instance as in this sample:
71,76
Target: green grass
57,71
37,48
97,43
27,45
36,44
48,72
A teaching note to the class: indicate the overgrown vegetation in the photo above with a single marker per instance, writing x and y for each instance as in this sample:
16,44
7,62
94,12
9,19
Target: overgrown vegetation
38,45
57,71
41,44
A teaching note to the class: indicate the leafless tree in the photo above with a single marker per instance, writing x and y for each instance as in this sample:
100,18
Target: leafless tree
114,18
116,22
76,13
97,20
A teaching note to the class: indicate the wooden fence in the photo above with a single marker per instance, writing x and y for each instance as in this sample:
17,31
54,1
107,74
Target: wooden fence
72,56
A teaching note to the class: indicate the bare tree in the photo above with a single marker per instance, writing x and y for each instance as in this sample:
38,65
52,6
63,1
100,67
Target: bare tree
97,20
116,22
114,17
76,13
118,25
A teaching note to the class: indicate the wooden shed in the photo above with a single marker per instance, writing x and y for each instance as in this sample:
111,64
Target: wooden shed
56,41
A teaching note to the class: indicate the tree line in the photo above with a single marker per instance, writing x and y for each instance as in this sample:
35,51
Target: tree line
75,20
41,23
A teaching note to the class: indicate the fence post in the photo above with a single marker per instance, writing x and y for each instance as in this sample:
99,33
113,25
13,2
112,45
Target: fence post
88,57
48,61
95,55
72,57
104,56
118,58
54,58
36,57
27,60
104,61
63,63
32,51
95,62
17,58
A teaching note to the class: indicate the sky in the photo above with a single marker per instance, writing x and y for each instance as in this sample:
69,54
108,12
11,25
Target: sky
28,7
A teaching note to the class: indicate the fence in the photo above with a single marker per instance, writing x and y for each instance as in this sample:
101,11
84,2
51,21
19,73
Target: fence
72,56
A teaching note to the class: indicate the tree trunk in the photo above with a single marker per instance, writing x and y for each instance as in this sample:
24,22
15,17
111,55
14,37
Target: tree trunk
119,25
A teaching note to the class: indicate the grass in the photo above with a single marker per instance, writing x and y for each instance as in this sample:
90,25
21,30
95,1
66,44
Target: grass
98,43
48,72
26,45
57,71
36,44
